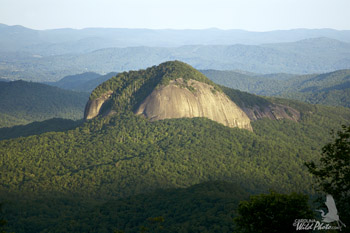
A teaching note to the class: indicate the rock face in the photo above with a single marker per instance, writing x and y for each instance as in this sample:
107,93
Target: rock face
93,107
175,100
176,90
273,112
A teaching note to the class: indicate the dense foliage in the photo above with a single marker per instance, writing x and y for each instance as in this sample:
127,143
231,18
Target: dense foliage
74,82
84,82
24,102
206,207
75,179
273,213
332,172
2,221
35,128
328,89
244,99
131,88
122,155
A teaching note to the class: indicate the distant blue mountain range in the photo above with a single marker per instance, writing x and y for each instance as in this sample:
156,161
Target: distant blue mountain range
50,55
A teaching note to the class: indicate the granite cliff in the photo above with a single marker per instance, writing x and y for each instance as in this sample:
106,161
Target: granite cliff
93,107
201,100
176,90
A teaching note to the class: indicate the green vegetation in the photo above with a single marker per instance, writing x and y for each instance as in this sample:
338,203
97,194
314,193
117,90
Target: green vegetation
2,221
131,88
122,155
244,99
272,213
35,128
74,82
177,69
10,120
249,82
206,207
125,173
328,89
332,172
85,82
24,102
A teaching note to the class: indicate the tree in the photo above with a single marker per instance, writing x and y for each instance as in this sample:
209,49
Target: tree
3,222
272,212
332,172
118,231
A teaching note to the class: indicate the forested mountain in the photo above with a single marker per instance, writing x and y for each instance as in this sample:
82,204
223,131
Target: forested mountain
35,128
130,155
63,41
85,171
328,88
84,82
72,82
317,55
176,90
24,102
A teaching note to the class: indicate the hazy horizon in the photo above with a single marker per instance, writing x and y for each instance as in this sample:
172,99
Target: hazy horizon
174,29
248,15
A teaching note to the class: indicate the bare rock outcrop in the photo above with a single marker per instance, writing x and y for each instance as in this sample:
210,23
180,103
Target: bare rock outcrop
92,108
194,99
273,112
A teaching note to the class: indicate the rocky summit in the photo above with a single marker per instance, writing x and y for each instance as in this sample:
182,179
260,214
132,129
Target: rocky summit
170,90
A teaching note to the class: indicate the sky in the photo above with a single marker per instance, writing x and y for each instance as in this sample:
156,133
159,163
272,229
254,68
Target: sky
251,15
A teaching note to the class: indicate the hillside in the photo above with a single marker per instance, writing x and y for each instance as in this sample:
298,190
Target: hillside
95,170
84,82
328,88
204,207
119,156
24,102
170,90
72,82
177,90
260,84
119,144
316,55
36,128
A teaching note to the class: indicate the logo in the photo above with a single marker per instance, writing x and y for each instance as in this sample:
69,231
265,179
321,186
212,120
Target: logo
330,217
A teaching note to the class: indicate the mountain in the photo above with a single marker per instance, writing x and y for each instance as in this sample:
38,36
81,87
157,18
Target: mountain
74,82
118,144
50,55
95,170
329,88
35,128
3,80
170,90
83,172
24,102
84,82
66,41
90,85
176,90
317,55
